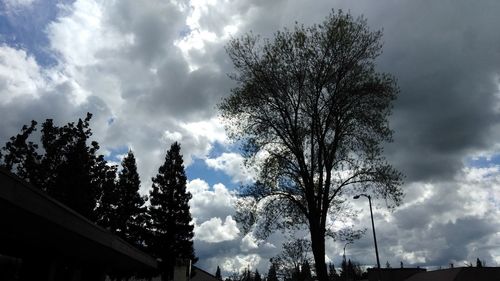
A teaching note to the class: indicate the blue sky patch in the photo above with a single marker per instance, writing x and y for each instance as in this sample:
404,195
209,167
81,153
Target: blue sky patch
24,28
115,153
198,169
483,162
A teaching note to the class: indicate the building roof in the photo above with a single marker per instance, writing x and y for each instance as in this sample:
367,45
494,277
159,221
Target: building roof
459,274
392,274
202,275
33,223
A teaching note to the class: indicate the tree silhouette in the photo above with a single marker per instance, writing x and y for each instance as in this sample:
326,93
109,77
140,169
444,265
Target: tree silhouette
271,274
311,112
305,271
121,208
256,276
170,218
217,273
131,209
295,253
332,273
68,169
20,155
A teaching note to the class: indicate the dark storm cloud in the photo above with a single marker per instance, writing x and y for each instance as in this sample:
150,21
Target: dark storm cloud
446,59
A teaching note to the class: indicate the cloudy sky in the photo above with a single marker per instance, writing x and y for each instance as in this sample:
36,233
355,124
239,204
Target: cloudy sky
152,72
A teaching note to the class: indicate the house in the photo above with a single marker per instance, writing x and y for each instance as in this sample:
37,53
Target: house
199,274
449,274
459,274
392,274
42,239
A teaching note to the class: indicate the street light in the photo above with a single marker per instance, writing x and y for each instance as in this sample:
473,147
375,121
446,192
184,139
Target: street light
349,242
345,261
373,225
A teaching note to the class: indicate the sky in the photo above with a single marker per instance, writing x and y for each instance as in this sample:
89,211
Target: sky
153,72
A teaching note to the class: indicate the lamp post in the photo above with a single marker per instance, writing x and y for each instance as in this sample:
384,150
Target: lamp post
345,261
373,226
349,242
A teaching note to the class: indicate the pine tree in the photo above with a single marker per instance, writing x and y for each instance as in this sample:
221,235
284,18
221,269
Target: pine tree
131,208
332,273
306,271
106,213
170,218
257,276
271,274
217,274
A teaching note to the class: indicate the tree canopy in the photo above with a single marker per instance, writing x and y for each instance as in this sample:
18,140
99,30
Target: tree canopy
67,167
312,114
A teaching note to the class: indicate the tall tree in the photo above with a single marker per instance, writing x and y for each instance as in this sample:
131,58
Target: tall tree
332,272
311,112
257,276
217,274
170,217
305,271
271,274
131,207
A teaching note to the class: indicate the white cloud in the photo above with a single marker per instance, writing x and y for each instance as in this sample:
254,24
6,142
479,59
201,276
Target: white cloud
209,203
239,263
249,243
214,230
232,164
18,5
20,75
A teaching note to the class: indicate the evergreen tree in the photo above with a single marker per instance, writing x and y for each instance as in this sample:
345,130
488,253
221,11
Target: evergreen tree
332,273
106,212
131,204
479,263
271,274
257,276
217,274
306,271
170,218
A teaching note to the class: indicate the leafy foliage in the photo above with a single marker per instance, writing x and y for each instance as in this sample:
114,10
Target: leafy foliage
295,254
311,112
69,169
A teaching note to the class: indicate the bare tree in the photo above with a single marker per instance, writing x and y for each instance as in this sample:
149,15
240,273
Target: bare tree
311,112
295,253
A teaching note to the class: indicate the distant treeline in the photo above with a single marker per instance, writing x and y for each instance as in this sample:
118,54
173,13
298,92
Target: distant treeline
65,164
349,271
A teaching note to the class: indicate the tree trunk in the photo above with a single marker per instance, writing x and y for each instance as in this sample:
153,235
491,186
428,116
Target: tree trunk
318,248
